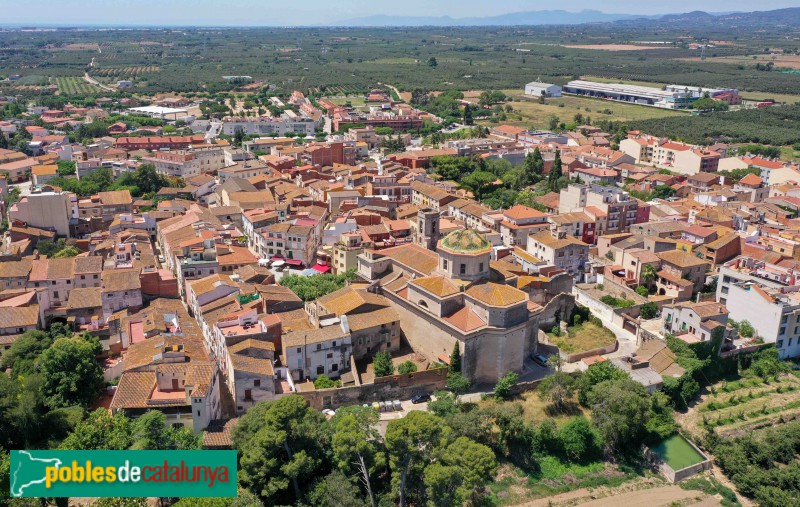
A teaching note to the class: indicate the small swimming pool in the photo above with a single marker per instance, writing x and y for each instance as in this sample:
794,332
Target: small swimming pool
678,453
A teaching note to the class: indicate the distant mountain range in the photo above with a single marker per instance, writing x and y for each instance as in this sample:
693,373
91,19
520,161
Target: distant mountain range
790,16
549,17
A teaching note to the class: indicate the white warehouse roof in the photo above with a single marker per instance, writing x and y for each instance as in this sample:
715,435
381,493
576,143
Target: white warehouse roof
157,110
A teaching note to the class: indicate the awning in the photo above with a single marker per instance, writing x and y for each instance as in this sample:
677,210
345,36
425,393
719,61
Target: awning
294,262
321,268
276,258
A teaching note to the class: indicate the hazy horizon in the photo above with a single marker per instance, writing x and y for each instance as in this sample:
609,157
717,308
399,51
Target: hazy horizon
252,13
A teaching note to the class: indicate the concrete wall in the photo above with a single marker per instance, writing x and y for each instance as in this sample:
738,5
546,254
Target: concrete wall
392,387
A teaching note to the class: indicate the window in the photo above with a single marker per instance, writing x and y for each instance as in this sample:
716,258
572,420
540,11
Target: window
257,383
780,344
782,331
330,355
462,270
299,350
444,264
480,267
334,343
319,346
334,367
320,370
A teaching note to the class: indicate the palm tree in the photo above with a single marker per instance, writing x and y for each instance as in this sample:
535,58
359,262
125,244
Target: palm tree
649,274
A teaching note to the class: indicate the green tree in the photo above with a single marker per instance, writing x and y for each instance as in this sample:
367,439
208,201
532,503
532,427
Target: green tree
100,431
356,446
558,389
72,375
24,352
324,382
505,385
432,62
464,468
649,310
555,174
457,383
65,167
579,439
406,367
468,115
150,432
282,446
455,359
642,291
746,329
382,364
621,412
69,251
412,442
649,274
336,490
594,375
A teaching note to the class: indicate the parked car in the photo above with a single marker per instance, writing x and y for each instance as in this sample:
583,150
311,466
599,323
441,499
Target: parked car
420,398
397,406
539,359
329,412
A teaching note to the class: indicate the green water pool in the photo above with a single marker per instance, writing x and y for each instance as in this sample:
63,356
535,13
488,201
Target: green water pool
678,453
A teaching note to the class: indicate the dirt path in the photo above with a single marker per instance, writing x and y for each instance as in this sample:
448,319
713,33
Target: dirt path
653,497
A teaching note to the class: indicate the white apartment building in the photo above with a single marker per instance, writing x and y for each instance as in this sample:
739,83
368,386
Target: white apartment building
560,250
324,351
267,125
774,314
46,210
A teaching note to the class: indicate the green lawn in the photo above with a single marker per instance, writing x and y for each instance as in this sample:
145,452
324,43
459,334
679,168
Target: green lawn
587,336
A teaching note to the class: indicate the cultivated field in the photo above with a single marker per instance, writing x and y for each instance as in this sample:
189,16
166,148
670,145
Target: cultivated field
529,113
615,47
783,61
743,406
75,86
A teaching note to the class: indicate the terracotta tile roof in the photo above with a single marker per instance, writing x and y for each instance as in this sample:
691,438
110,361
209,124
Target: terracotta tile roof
61,268
413,256
680,258
218,434
15,269
437,285
547,239
134,389
368,320
242,346
15,317
115,197
751,180
311,336
80,298
347,300
121,280
521,212
465,319
495,294
254,365
91,264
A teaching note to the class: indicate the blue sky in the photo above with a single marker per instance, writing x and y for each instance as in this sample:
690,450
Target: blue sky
309,12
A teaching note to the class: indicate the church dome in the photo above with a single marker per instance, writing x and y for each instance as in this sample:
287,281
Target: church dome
465,242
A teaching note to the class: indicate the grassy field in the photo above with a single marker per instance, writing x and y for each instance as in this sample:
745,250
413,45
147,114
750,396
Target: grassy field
357,102
528,112
75,86
587,336
744,406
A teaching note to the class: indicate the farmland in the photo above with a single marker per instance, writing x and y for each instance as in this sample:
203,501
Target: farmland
529,112
75,86
337,60
739,407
